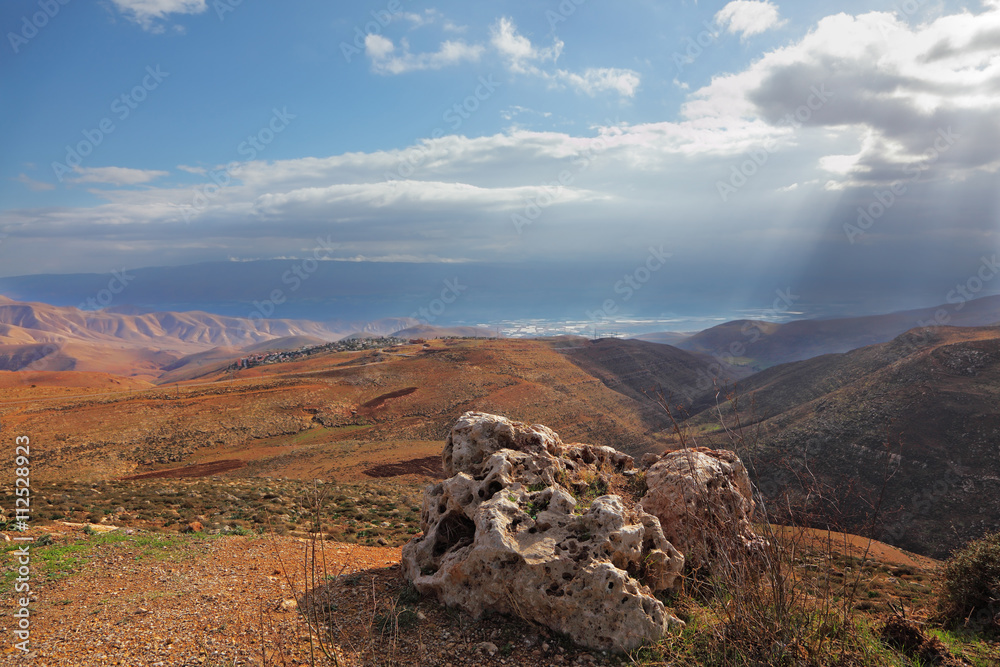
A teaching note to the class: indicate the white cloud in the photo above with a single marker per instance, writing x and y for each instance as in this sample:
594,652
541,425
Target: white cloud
515,110
193,170
522,57
404,197
378,47
387,59
115,175
37,186
625,82
749,17
518,49
429,17
148,13
905,96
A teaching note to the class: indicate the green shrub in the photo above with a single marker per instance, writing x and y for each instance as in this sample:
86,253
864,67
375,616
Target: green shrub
971,591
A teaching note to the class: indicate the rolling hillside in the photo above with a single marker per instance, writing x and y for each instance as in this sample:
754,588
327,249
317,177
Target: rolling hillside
641,370
763,344
334,414
920,410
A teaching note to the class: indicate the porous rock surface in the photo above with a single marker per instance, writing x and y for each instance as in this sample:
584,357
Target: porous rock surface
504,533
704,502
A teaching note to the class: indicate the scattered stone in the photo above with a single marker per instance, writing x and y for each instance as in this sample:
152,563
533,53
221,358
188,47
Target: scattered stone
194,527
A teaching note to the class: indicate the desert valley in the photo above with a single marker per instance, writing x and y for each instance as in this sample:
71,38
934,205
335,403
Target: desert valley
292,438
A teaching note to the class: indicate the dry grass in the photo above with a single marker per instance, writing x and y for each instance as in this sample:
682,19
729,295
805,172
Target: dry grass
381,512
800,600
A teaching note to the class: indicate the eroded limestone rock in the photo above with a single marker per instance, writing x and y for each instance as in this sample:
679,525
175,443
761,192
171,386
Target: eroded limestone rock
704,502
505,534
477,435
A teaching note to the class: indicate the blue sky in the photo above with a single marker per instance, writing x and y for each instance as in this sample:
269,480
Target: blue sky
764,145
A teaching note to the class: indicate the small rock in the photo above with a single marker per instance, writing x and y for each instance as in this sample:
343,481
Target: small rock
487,647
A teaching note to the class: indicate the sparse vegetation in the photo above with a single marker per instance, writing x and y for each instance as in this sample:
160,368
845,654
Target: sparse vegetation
970,595
815,598
363,513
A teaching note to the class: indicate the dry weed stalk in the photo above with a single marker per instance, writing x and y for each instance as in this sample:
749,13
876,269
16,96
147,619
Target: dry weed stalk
332,639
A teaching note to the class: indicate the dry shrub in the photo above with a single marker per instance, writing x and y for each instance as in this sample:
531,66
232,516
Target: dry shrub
756,607
970,596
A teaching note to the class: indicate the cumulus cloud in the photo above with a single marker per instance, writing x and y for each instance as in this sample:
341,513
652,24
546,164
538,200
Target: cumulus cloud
520,53
625,82
115,175
149,13
749,17
908,96
386,58
523,57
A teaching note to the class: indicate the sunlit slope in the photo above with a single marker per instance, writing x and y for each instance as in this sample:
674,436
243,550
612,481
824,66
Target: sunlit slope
270,415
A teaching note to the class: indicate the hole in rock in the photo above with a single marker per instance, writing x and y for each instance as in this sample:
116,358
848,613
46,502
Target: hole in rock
454,532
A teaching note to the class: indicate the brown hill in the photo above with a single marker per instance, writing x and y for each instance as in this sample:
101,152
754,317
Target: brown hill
764,344
641,370
333,414
932,394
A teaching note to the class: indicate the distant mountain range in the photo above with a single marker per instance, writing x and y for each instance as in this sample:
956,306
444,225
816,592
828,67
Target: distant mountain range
37,336
126,339
763,344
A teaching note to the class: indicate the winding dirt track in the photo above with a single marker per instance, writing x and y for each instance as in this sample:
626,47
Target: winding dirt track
198,470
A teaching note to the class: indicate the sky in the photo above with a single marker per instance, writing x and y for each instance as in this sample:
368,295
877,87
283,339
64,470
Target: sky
847,156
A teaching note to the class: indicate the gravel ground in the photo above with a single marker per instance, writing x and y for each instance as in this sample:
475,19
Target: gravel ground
148,599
